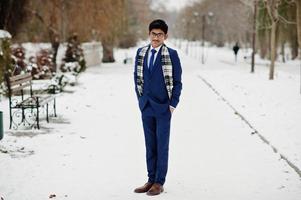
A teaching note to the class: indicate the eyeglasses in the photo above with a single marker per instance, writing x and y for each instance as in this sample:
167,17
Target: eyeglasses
158,35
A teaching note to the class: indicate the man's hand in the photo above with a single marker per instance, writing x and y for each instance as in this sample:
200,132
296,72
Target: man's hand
171,109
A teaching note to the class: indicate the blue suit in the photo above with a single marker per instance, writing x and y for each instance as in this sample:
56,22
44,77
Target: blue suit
154,105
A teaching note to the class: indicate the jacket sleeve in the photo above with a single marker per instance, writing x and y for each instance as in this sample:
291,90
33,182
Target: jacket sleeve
177,79
135,73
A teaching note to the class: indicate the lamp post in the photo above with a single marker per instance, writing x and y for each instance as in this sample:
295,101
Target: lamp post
1,125
186,33
203,37
254,37
195,20
204,17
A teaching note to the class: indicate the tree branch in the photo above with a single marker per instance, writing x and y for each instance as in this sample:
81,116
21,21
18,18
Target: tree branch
38,16
290,1
248,3
264,27
282,19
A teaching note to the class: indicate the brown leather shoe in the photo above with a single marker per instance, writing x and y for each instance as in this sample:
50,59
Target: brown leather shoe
144,188
155,189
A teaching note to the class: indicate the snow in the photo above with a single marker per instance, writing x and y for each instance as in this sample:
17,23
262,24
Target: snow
95,148
92,51
4,34
272,106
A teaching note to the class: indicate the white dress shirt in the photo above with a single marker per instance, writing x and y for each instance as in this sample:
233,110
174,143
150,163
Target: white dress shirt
150,54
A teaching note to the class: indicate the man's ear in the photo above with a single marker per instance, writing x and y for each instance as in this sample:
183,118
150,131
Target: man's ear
165,36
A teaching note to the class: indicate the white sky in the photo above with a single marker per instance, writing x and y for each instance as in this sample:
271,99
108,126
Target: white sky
173,4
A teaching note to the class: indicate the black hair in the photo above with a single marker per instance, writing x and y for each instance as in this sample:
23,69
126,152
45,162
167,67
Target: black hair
158,24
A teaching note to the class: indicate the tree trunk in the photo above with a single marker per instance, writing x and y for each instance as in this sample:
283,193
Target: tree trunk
254,38
55,44
8,16
298,2
294,48
283,51
273,49
263,43
63,20
5,59
187,46
108,55
268,44
12,15
53,36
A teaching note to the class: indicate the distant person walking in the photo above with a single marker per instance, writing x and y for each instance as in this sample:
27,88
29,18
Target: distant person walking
158,86
236,49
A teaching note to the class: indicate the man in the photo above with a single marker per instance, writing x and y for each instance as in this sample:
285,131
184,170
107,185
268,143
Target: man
158,87
235,49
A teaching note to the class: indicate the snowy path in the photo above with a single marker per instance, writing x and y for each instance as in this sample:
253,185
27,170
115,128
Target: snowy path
95,150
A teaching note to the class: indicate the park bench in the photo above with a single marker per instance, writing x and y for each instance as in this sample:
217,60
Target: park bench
24,104
52,86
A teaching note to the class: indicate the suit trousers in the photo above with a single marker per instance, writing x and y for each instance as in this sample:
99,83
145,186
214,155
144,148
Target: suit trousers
156,133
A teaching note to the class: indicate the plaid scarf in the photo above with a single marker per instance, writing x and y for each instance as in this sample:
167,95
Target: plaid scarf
166,67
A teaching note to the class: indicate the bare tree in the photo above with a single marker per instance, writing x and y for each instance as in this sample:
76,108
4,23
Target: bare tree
298,3
276,15
230,24
272,9
12,15
113,22
48,16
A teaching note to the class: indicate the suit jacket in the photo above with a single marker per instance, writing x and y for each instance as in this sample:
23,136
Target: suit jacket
154,88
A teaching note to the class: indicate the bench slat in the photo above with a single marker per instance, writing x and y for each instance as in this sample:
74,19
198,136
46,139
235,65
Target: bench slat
17,89
27,102
21,76
18,82
32,102
45,100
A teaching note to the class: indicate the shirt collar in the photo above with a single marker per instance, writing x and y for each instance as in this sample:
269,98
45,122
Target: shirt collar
157,49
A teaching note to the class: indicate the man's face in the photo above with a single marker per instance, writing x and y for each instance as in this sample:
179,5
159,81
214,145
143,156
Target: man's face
157,37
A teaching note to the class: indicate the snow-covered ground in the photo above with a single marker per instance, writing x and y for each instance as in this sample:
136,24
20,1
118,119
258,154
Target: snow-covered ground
272,107
95,148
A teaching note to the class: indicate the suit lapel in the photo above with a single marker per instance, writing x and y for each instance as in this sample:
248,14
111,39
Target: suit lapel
145,66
